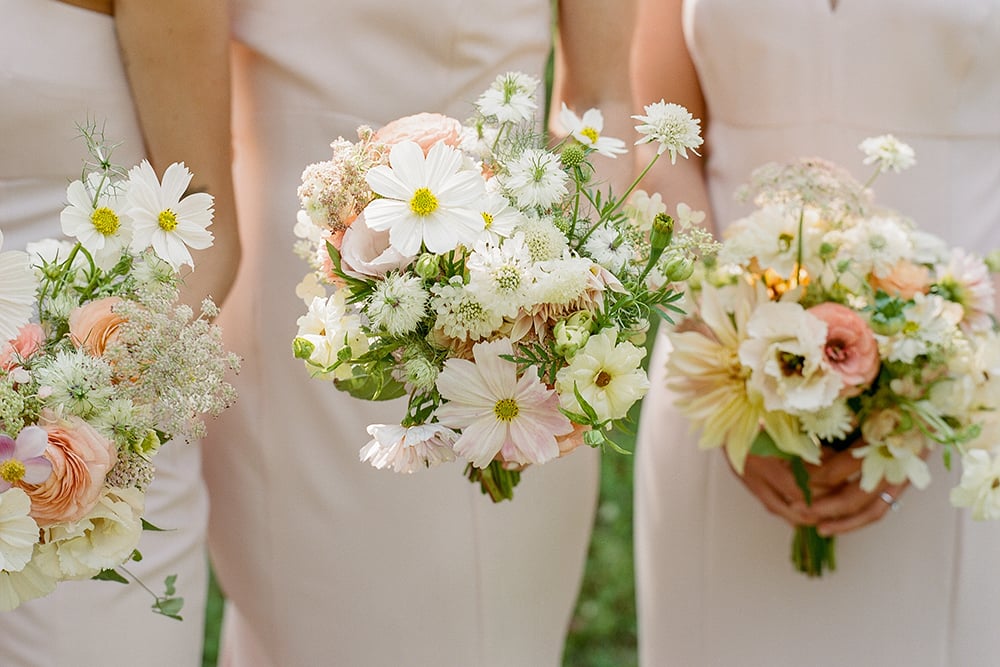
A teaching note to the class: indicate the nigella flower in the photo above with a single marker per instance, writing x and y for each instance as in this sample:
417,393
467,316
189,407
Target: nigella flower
497,411
81,384
22,460
398,304
408,449
672,126
888,152
587,131
535,178
608,247
510,98
95,216
430,201
17,291
164,218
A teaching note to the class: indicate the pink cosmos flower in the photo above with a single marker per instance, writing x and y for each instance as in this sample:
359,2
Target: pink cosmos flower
408,449
499,412
22,461
850,348
29,339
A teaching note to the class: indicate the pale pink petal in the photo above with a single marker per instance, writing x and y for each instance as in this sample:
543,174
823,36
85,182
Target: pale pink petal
480,442
31,442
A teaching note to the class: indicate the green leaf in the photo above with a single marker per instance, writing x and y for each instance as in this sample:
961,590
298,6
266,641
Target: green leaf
169,585
169,607
110,575
764,445
148,526
372,388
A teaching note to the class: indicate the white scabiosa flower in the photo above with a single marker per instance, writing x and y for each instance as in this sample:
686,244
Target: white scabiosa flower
461,313
510,98
407,450
607,374
398,304
17,291
672,127
888,153
502,276
431,201
498,411
542,238
95,217
535,179
163,218
587,130
979,488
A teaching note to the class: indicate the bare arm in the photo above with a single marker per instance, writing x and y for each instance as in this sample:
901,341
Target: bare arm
176,55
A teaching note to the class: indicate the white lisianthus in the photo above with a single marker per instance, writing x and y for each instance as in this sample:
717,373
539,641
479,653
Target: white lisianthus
535,179
895,464
784,352
332,331
672,127
607,374
408,449
979,488
95,216
398,304
17,291
510,98
888,153
164,218
587,130
36,579
103,539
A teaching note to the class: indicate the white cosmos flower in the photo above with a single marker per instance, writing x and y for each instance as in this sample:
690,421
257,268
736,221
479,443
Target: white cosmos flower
497,411
430,200
587,131
607,374
408,449
499,217
164,218
979,487
536,179
672,126
888,152
18,531
17,291
97,220
510,98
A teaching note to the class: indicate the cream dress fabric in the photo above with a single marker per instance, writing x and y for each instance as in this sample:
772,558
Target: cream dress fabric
325,560
791,78
59,67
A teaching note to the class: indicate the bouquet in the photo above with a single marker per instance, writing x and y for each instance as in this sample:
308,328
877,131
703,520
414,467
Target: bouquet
488,279
826,321
98,367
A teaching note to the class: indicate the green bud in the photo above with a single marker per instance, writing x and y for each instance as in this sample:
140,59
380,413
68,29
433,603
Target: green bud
302,348
420,372
677,267
993,261
573,155
150,443
663,231
572,333
428,266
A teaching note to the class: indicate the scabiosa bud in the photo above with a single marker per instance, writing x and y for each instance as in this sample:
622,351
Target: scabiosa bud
420,372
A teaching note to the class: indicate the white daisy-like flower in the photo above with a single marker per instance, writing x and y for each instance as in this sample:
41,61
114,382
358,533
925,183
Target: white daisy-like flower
17,291
688,217
18,531
502,276
771,235
398,304
609,248
332,330
535,179
461,313
875,245
164,218
95,216
888,152
831,423
542,238
510,98
672,126
895,464
931,324
431,201
784,352
497,411
587,130
966,280
607,374
979,488
410,449
499,217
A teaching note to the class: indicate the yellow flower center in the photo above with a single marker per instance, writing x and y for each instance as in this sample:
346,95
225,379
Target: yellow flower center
167,220
12,470
506,409
488,219
603,379
105,220
591,134
423,202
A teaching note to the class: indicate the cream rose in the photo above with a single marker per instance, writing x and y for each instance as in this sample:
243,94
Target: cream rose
81,458
94,325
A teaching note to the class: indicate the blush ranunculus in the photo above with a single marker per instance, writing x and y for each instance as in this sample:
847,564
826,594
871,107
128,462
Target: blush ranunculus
904,280
425,129
81,458
95,324
850,348
29,339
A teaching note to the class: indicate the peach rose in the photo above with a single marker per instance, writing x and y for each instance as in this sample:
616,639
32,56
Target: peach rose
850,348
81,458
94,325
29,339
424,129
904,280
